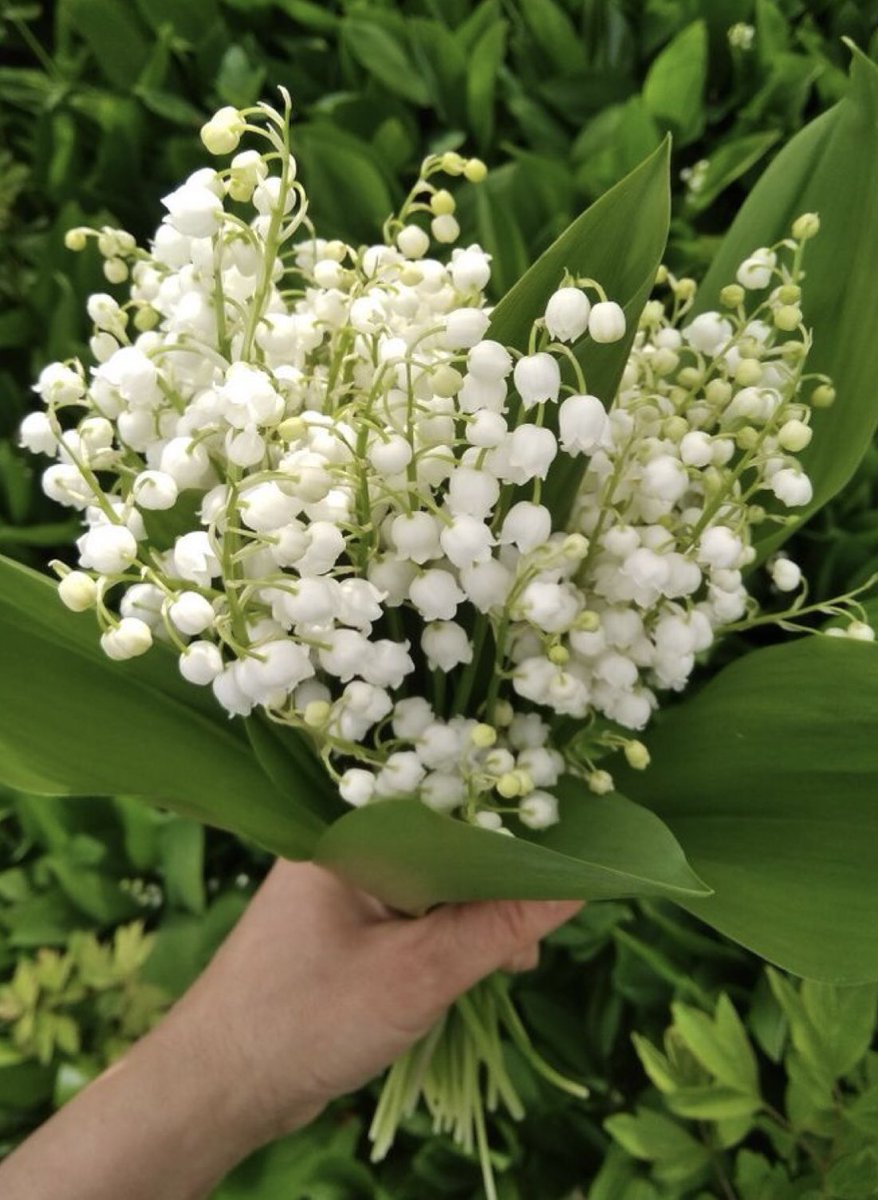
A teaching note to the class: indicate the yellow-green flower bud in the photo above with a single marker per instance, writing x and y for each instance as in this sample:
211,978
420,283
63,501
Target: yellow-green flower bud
823,396
787,317
600,782
637,755
442,202
806,226
452,163
732,295
316,713
559,655
75,239
508,785
475,170
483,736
748,372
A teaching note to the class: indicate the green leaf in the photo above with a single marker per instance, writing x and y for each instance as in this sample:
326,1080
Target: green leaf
674,87
349,191
412,857
656,1138
854,1176
114,35
729,162
553,31
182,853
385,57
76,723
831,168
712,1103
619,241
720,1045
768,777
481,81
844,1018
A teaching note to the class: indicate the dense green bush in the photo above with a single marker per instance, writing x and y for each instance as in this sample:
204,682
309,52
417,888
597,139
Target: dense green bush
99,104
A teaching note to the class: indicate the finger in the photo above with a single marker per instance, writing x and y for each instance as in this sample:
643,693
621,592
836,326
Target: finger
461,943
524,960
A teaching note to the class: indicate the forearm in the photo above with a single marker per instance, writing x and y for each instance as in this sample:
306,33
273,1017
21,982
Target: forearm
161,1124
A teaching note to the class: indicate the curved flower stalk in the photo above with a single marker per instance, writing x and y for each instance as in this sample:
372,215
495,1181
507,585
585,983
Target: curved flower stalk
309,468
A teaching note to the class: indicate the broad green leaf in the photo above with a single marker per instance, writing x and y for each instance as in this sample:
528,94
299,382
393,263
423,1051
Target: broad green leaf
831,168
768,778
385,57
412,857
556,36
113,33
481,81
674,87
75,723
619,241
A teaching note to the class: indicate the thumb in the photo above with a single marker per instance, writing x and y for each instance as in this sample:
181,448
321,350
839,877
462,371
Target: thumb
468,941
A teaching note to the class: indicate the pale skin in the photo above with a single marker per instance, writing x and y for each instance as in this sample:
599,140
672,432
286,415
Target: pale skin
317,989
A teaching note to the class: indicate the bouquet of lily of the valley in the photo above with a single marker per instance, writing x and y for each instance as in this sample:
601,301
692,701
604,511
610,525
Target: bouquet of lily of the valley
409,583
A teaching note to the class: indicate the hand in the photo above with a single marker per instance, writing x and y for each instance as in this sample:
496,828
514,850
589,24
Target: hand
315,991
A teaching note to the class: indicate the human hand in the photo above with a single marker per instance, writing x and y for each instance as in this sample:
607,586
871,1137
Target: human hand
320,986
316,990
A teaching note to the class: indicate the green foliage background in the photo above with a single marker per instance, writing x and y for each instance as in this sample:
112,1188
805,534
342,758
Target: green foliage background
107,909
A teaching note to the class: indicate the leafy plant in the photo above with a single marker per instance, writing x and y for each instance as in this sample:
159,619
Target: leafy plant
796,1120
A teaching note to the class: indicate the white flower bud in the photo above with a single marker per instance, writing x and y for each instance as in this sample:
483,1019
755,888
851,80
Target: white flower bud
793,488
357,786
755,272
526,526
664,478
785,574
567,314
411,717
435,595
280,667
473,492
489,361
194,558
191,613
532,450
708,333
443,791
584,425
129,639
487,584
201,663
470,269
606,322
477,395
108,549
78,591
413,241
416,536
445,228
486,429
719,548
696,448
539,810
194,210
537,379
186,462
466,540
446,645
155,490
391,455
464,327
35,434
